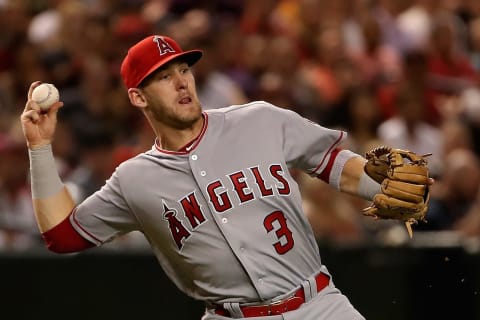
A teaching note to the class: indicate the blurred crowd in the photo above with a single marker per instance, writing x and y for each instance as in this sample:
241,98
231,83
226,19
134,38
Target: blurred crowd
404,73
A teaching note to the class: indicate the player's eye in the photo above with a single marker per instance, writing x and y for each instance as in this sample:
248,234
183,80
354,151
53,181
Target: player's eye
163,76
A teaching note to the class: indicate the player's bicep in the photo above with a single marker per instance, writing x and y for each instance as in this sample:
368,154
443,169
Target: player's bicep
307,145
314,149
104,215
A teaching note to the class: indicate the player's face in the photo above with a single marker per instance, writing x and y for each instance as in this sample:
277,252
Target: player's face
172,97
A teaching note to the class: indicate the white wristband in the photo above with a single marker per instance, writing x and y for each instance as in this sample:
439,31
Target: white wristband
367,187
44,176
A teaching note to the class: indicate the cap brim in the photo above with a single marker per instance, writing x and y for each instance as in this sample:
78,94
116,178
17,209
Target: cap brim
190,57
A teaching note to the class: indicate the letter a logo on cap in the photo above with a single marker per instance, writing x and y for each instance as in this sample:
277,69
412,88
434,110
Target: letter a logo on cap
163,45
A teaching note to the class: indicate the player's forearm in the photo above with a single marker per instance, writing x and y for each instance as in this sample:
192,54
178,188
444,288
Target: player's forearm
50,211
355,181
52,202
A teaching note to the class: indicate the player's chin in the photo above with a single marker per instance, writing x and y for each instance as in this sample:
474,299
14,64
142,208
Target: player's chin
184,122
187,118
192,109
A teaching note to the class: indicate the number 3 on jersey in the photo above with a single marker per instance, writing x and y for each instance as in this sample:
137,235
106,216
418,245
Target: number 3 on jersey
285,239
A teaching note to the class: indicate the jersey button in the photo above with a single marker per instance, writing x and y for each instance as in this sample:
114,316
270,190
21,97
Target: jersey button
203,173
224,220
194,157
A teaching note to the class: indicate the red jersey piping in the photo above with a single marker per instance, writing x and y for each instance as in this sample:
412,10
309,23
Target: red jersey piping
329,151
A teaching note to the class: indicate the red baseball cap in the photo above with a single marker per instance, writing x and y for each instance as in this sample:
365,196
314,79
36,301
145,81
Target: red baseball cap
150,54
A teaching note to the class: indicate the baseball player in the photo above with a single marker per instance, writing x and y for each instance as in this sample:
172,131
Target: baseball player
213,196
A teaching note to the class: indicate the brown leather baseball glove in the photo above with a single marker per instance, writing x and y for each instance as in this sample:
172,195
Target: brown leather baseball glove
404,178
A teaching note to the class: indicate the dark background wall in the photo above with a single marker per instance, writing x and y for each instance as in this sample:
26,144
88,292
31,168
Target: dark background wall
383,283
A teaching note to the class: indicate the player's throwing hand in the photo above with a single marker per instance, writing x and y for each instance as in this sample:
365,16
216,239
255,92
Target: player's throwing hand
38,126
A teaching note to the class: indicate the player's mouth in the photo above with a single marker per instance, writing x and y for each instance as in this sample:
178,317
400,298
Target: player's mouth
185,100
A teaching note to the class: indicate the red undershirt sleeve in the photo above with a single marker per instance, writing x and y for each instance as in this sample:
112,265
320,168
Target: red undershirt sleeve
63,238
325,174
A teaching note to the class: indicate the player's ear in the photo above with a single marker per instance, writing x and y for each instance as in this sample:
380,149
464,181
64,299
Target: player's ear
137,99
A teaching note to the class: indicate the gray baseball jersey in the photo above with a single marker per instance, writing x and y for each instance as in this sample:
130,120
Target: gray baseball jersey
224,218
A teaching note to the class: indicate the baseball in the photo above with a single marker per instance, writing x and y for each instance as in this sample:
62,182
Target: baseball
45,95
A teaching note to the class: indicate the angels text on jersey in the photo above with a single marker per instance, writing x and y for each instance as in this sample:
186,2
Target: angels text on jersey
223,197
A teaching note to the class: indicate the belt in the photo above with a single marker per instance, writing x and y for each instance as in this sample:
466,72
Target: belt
278,307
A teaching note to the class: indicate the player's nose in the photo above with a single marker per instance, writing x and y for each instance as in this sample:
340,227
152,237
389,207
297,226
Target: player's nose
180,81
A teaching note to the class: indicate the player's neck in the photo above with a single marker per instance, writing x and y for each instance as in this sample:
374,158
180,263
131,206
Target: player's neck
179,140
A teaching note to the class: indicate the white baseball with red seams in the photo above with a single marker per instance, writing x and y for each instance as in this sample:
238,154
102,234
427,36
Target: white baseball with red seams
45,95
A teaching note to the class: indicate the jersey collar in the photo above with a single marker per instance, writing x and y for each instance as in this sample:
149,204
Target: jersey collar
189,146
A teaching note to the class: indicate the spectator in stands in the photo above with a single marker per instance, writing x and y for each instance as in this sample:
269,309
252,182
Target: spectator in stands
469,225
215,87
455,195
363,119
450,70
17,222
409,131
95,163
475,43
378,63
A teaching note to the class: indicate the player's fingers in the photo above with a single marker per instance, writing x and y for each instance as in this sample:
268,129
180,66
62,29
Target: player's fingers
33,86
31,105
52,111
57,105
31,115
